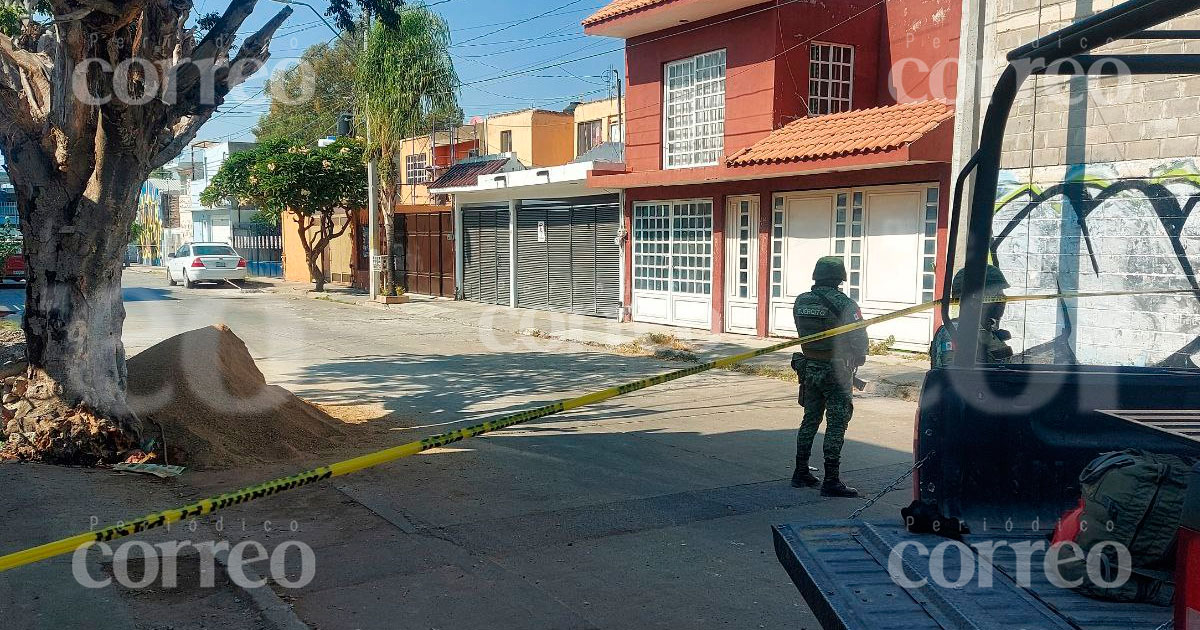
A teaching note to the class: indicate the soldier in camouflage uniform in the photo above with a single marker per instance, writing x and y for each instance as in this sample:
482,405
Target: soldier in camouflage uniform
828,373
941,351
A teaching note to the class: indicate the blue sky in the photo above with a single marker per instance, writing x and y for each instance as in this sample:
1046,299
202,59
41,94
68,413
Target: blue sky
539,42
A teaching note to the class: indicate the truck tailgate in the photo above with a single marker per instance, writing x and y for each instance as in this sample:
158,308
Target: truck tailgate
841,570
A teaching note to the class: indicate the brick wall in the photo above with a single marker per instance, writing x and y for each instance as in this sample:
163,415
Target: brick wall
1133,141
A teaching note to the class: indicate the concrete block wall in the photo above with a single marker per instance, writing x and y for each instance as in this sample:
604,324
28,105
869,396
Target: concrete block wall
1139,233
1136,140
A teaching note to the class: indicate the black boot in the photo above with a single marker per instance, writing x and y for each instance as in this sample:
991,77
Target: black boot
803,478
833,486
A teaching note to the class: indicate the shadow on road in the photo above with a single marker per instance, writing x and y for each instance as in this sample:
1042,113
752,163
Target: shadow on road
420,387
145,294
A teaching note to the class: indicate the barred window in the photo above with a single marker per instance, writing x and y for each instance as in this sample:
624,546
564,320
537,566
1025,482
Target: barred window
694,111
848,239
672,247
830,78
415,168
929,240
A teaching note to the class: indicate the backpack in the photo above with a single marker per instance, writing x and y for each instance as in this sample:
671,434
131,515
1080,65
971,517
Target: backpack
1133,498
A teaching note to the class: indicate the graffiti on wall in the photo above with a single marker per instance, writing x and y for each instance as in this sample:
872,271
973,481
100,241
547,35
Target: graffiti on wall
1127,232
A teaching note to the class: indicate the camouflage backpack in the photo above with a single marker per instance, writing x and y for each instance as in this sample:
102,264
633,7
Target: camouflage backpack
1135,499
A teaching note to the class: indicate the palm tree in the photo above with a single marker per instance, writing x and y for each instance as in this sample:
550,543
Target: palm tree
406,85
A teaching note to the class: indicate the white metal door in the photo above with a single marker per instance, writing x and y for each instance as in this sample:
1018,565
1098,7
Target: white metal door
221,230
893,265
802,230
741,265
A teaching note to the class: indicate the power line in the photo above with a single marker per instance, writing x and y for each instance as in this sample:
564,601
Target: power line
526,20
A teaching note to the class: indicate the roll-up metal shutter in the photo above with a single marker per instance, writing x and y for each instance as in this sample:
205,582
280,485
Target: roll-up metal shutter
486,254
576,268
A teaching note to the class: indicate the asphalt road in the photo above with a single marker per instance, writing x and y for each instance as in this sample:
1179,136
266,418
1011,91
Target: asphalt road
650,511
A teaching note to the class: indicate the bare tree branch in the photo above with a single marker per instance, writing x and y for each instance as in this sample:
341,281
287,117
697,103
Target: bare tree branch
182,133
345,226
37,66
219,39
26,76
254,51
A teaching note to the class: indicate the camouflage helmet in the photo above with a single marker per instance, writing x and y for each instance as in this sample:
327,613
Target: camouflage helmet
830,268
994,282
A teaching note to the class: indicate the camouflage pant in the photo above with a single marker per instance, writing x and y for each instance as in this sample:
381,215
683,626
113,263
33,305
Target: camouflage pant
826,393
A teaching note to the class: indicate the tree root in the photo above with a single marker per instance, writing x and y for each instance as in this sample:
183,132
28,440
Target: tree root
42,428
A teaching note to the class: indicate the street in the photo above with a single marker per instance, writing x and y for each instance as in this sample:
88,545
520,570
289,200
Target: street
651,510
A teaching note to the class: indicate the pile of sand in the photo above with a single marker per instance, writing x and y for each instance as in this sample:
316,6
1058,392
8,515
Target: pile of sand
216,408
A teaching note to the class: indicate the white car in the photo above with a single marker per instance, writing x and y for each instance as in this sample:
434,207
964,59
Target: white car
205,262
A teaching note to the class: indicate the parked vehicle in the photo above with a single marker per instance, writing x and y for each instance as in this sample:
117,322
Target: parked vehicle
999,448
14,267
205,262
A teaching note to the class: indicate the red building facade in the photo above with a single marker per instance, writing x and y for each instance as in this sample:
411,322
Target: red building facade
763,135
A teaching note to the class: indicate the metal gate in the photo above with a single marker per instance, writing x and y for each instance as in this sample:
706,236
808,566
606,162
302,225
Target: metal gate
486,254
428,254
261,246
568,258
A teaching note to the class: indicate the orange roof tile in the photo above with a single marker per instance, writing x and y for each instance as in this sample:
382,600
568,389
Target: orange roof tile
617,8
846,133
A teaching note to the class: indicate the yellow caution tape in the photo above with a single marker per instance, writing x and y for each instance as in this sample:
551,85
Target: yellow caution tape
284,484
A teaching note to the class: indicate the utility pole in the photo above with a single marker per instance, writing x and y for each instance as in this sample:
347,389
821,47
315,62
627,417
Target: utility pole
620,109
372,194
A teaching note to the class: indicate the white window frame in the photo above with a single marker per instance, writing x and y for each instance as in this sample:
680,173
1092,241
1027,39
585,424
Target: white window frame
929,247
416,168
849,237
684,266
698,138
821,105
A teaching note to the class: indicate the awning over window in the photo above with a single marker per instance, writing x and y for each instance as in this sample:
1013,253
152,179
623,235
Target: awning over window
882,137
466,174
847,133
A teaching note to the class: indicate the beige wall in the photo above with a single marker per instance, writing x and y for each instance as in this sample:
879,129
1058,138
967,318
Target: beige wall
602,110
521,125
338,253
411,194
539,138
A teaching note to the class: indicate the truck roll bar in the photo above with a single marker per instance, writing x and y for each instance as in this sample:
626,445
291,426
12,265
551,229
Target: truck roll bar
1059,53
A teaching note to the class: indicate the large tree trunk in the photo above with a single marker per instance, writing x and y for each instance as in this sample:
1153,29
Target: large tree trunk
72,407
78,141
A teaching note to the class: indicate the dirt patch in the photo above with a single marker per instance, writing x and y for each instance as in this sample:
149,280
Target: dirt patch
215,408
12,349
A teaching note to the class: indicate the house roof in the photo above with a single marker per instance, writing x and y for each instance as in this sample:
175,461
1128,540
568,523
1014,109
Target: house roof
630,18
617,8
467,173
847,133
612,152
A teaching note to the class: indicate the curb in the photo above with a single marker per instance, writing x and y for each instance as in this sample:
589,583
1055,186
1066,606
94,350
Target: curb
275,612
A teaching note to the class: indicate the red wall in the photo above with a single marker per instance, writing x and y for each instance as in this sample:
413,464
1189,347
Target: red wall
909,44
854,23
750,77
462,150
920,60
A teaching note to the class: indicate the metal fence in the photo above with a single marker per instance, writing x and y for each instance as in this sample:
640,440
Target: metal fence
262,247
